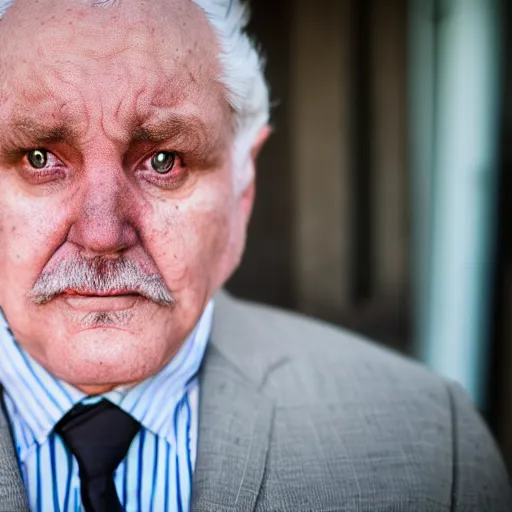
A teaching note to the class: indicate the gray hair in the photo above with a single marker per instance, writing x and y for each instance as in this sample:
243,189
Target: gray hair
242,76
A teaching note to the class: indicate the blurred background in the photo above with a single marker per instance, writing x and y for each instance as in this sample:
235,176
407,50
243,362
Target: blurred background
384,194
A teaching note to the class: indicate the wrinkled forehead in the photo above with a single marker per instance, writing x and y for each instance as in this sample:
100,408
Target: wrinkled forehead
99,27
137,52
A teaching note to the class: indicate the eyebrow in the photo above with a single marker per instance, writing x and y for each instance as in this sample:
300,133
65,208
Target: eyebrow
174,126
185,133
38,134
26,133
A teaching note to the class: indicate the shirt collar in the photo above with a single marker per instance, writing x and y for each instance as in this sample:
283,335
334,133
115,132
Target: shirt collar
41,400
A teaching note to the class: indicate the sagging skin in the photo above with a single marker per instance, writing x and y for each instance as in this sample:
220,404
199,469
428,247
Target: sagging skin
98,96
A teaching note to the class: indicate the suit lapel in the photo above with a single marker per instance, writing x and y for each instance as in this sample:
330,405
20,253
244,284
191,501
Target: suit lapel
13,497
234,430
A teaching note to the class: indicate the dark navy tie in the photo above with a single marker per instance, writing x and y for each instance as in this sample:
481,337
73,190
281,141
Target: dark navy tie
98,436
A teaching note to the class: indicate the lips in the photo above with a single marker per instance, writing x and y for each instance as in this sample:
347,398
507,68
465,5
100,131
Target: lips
93,301
94,293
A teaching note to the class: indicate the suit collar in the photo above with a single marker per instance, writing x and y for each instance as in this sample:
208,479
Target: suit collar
238,335
235,417
234,433
13,496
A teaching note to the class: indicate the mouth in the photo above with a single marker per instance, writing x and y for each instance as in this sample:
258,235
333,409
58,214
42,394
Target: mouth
94,301
83,292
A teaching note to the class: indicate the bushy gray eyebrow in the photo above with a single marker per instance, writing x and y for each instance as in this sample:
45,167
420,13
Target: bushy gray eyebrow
41,134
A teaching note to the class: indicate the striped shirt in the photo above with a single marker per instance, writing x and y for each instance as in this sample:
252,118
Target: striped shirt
157,471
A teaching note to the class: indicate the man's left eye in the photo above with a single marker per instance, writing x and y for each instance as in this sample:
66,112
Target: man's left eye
38,158
163,162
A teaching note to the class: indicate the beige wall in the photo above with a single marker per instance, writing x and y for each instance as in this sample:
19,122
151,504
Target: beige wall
389,149
319,155
320,126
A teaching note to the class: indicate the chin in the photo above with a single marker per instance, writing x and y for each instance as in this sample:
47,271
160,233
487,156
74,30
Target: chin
106,356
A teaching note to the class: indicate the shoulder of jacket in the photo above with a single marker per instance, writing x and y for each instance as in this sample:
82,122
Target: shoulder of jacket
270,336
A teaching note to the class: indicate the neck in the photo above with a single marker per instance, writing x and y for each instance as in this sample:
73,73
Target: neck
96,390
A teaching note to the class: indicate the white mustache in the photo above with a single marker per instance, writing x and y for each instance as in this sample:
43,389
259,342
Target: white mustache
101,276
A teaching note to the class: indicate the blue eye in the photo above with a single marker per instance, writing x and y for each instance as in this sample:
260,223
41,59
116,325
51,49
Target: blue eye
163,162
38,158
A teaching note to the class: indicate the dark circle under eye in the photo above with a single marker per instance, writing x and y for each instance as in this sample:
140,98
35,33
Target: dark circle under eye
163,162
38,158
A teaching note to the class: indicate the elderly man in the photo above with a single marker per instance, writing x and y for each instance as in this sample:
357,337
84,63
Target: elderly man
129,132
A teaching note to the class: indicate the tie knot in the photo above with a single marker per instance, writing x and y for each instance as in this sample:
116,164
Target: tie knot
98,435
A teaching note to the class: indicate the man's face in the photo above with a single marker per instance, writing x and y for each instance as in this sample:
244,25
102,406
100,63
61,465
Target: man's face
118,217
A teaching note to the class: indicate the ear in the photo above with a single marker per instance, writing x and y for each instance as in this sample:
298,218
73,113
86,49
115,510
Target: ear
262,137
247,195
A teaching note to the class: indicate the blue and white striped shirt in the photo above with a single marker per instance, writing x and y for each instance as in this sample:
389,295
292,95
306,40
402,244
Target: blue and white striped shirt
157,471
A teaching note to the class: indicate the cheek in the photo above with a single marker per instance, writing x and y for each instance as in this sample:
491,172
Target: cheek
190,241
30,231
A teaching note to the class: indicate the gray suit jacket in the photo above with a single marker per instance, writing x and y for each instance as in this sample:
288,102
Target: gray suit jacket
299,416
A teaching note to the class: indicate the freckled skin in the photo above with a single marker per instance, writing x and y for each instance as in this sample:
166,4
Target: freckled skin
99,71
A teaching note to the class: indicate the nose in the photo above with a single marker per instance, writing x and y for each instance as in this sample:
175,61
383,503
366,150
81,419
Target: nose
103,224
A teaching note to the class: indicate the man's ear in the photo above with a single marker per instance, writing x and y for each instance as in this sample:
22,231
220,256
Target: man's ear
247,195
262,137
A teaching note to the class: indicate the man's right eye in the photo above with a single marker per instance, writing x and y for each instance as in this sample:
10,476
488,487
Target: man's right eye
163,162
38,158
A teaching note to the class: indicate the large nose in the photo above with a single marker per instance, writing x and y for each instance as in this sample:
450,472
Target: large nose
103,224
